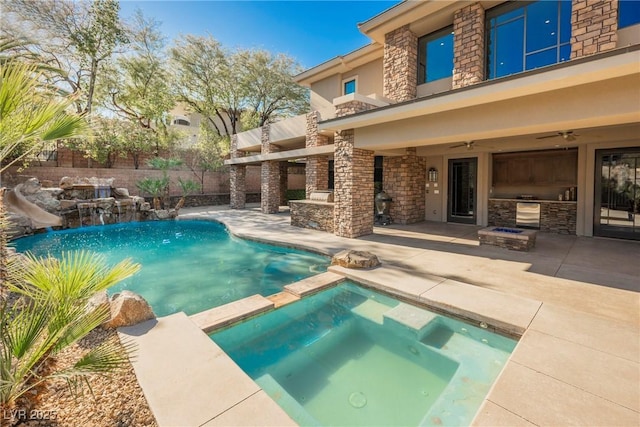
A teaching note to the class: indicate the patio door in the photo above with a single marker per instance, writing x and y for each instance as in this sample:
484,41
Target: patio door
462,190
617,194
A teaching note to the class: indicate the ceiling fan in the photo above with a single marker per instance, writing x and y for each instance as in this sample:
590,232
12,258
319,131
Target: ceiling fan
567,135
468,144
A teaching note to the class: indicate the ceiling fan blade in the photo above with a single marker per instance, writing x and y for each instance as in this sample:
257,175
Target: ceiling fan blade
457,146
548,136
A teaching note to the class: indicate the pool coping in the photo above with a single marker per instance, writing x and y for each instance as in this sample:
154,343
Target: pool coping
529,365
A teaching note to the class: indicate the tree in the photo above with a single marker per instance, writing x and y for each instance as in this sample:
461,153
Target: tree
31,113
232,87
108,142
55,318
139,84
271,92
206,83
75,37
207,154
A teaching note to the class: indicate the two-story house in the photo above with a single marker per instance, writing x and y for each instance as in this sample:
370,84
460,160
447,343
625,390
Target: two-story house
482,112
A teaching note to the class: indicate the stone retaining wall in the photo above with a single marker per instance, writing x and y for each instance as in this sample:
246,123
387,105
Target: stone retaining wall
312,214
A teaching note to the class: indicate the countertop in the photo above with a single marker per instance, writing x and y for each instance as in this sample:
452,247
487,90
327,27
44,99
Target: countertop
532,201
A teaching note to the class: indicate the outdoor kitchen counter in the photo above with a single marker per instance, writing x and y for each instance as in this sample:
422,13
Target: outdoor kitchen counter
532,201
555,216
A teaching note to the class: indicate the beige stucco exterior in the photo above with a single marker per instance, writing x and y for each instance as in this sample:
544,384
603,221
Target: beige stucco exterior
596,95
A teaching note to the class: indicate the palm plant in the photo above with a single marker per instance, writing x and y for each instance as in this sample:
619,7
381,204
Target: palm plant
155,187
55,317
31,113
187,187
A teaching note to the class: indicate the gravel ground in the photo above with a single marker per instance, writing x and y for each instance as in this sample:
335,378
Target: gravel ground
114,401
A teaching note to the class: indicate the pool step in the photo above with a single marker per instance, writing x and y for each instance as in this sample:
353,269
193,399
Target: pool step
314,284
282,298
233,312
371,310
411,318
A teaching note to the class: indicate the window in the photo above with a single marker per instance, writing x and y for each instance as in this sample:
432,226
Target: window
181,122
349,86
628,13
523,36
435,56
331,183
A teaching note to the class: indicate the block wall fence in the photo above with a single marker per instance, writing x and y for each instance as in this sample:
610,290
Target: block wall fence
214,182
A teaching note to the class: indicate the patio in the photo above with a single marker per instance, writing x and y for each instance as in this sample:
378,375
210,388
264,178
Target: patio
575,298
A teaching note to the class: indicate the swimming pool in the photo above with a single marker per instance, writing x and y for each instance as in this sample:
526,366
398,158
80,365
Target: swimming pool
352,356
187,265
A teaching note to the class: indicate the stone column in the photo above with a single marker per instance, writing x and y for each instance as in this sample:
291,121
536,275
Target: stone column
400,64
404,180
270,176
594,27
237,178
317,167
468,46
353,209
238,184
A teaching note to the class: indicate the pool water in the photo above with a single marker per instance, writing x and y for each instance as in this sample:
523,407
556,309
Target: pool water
187,266
350,356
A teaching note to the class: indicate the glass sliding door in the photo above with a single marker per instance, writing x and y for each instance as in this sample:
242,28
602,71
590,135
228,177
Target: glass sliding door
617,193
462,192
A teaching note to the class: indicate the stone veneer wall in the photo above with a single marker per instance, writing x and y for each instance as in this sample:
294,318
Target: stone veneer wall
270,176
317,168
555,217
468,46
312,214
400,64
237,178
353,194
558,217
404,180
352,107
238,186
594,26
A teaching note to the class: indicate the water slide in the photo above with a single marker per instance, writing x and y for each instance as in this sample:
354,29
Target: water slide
15,202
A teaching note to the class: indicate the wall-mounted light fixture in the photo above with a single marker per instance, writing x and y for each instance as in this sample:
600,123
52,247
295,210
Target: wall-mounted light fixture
433,175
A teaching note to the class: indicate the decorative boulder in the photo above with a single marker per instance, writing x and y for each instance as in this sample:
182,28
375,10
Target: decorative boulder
128,309
66,182
30,186
120,193
355,259
99,299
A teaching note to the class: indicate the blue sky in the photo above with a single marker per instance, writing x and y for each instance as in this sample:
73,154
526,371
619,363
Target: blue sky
309,31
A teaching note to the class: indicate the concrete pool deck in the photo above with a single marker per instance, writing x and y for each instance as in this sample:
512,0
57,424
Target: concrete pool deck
576,300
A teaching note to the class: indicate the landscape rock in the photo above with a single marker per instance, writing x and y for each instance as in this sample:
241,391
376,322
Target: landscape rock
120,192
99,299
30,186
67,182
355,259
128,309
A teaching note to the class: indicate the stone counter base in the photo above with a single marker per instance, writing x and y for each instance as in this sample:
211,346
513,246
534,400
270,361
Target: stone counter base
523,240
312,214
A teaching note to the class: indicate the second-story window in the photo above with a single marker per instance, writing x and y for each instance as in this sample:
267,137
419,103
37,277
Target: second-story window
523,36
628,13
349,86
435,56
181,122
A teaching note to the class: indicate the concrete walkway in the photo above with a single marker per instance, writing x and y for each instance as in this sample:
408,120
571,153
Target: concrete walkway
575,300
